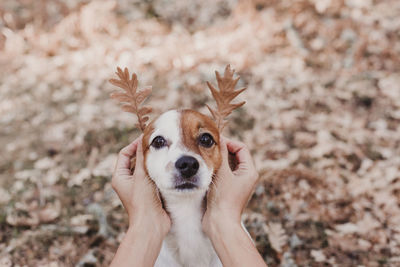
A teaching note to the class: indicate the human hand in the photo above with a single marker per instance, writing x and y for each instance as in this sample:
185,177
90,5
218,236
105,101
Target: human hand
231,190
138,192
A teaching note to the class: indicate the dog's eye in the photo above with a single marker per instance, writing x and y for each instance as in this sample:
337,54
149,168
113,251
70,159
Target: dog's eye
206,140
158,142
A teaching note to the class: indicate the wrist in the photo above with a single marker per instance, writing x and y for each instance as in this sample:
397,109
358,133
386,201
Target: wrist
141,242
157,228
148,237
217,222
233,244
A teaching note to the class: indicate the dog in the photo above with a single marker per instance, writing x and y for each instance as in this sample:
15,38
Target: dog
182,155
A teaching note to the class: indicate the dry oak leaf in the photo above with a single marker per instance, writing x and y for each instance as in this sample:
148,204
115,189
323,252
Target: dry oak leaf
26,219
33,216
318,255
276,236
131,98
224,96
50,212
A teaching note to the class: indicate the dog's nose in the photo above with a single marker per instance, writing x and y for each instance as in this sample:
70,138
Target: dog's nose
187,166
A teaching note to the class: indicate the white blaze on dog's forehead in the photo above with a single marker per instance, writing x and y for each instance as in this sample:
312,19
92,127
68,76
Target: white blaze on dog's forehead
167,126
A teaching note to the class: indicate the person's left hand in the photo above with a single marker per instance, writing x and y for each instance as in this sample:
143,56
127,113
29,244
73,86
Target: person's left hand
138,192
231,189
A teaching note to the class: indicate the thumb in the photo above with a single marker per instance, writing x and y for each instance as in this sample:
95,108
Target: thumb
222,169
139,166
224,154
242,155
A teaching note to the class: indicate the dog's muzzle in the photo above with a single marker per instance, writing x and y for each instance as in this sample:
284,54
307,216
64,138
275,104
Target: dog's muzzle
187,166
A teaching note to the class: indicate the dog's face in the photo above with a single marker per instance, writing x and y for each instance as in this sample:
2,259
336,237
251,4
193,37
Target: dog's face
181,151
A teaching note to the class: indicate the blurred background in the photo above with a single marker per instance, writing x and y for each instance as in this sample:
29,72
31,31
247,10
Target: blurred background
321,119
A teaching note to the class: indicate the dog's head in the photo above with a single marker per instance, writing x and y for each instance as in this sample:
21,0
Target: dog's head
181,148
181,151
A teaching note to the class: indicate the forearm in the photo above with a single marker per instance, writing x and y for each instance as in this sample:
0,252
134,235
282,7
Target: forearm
233,245
138,248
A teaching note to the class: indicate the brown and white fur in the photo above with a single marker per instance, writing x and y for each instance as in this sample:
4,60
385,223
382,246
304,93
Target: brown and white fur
183,190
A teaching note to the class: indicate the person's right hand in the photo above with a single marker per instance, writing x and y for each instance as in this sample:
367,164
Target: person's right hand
230,190
138,193
148,221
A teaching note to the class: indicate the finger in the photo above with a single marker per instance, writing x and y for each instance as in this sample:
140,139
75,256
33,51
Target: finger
156,192
224,153
119,180
124,156
241,152
139,155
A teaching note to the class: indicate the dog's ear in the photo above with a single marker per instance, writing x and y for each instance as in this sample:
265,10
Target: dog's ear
224,96
132,98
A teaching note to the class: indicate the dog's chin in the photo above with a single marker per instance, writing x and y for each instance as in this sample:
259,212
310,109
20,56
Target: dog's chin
184,189
185,185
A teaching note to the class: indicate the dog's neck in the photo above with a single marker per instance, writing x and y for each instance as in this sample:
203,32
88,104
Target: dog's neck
186,239
184,207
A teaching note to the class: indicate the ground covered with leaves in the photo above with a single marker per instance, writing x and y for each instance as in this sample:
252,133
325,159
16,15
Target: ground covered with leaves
322,120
